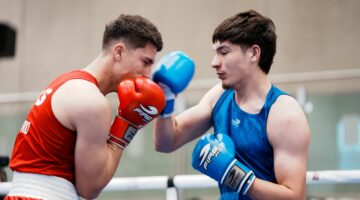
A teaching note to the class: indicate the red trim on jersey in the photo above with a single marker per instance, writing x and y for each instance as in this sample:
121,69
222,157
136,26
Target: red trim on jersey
19,198
43,145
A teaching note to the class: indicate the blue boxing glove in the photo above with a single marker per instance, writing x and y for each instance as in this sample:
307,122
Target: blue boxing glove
173,73
214,156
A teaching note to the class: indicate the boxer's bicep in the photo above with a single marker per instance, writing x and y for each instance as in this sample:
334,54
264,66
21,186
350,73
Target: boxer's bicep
289,135
91,154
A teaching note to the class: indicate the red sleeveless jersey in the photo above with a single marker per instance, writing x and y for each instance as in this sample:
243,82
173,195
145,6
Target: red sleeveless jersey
43,145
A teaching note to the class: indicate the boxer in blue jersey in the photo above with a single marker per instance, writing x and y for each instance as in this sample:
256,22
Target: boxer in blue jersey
261,135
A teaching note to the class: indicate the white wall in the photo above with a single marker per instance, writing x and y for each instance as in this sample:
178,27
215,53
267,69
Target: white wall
58,36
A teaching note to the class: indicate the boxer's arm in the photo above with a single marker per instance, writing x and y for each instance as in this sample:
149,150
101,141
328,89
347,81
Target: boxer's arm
81,107
95,159
289,134
173,132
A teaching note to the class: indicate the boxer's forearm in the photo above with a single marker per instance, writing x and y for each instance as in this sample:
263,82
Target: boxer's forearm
98,171
164,134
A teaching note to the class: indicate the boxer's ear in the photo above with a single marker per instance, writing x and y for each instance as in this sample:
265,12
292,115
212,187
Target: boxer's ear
253,53
118,50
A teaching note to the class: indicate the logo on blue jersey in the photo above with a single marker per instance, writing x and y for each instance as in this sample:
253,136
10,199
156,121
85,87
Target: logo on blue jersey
235,122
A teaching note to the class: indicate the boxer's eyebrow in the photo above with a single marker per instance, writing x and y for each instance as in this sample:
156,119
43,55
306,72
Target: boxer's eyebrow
222,47
149,61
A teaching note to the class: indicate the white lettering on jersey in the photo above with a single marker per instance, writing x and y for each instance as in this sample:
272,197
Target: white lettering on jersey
25,127
42,96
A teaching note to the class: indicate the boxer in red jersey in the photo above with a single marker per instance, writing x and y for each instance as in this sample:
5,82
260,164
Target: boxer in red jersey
69,146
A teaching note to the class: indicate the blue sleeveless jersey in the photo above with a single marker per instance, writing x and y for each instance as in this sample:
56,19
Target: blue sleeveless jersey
248,132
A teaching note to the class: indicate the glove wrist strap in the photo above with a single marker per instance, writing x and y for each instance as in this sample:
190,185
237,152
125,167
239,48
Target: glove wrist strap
122,132
169,108
170,101
238,177
247,184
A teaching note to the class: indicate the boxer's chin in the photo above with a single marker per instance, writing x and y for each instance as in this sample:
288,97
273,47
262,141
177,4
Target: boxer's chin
225,86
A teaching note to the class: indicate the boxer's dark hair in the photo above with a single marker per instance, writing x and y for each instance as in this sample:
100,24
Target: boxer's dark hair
135,30
250,28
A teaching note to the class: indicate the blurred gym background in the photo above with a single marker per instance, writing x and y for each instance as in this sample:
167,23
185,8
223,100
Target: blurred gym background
317,61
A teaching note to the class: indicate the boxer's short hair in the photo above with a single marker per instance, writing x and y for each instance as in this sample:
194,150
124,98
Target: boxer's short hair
250,28
135,30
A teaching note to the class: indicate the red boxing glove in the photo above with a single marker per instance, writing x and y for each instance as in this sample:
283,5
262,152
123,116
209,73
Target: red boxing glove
141,101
